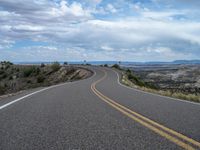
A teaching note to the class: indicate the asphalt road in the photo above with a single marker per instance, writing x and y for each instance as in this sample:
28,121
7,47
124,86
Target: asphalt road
97,113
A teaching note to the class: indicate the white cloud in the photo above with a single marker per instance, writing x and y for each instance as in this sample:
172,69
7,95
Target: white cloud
79,30
111,8
75,9
106,48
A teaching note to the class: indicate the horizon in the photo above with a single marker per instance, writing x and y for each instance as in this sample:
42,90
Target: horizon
99,30
101,62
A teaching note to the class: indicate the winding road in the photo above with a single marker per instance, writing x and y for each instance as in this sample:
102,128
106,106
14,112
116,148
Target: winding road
97,113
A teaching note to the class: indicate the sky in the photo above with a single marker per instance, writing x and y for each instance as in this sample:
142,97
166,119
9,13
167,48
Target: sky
99,30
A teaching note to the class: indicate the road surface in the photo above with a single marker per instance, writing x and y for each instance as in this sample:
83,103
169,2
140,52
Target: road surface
97,113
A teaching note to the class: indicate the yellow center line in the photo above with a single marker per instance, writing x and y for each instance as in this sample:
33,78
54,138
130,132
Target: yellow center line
146,121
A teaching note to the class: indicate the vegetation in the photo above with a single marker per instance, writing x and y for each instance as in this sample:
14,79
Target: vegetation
30,70
21,77
40,79
42,65
55,66
116,66
105,65
65,63
129,79
2,89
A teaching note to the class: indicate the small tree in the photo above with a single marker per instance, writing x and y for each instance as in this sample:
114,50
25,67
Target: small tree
116,66
42,65
40,79
65,63
105,65
55,66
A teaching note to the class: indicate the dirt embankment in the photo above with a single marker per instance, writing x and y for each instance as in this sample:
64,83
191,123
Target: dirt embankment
14,78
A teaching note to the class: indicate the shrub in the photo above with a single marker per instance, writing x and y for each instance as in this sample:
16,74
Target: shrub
105,65
37,71
128,71
134,79
65,63
28,81
1,72
40,79
17,69
55,66
4,76
42,65
116,66
2,90
11,77
28,71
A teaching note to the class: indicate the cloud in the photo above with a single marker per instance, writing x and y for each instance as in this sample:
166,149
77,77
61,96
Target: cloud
111,8
94,29
106,48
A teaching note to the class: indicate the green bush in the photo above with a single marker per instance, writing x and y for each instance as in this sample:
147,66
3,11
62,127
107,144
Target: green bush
28,71
2,90
116,66
65,63
105,65
42,65
1,72
40,79
37,71
128,71
134,79
11,77
28,81
4,76
55,66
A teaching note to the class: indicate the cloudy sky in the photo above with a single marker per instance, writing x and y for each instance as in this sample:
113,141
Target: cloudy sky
126,30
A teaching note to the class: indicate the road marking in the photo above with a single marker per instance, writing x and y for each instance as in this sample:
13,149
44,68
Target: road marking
175,99
154,126
47,88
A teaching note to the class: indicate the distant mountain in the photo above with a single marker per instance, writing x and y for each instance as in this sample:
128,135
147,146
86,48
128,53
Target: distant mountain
122,62
186,62
163,63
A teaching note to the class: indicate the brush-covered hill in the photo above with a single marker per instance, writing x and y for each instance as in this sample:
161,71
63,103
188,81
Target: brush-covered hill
14,78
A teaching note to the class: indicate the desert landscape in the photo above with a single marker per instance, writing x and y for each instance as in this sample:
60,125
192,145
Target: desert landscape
184,78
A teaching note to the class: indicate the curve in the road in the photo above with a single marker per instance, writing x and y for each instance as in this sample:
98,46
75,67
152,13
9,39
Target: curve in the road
171,98
175,137
44,89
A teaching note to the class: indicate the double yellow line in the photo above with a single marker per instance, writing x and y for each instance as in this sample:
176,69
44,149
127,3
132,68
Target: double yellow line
173,136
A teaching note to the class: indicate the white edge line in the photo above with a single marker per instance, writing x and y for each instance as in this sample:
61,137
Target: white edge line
176,99
47,88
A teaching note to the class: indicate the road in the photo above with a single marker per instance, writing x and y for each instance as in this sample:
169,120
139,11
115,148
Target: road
97,113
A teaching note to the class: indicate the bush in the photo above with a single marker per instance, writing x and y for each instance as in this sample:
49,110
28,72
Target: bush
65,63
134,79
42,65
116,66
105,65
128,71
11,77
28,71
1,72
4,76
55,66
2,90
40,79
37,71
28,81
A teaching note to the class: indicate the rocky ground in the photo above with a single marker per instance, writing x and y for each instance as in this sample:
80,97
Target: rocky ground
14,78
